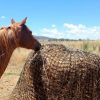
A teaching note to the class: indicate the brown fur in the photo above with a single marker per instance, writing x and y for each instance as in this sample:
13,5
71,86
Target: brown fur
16,35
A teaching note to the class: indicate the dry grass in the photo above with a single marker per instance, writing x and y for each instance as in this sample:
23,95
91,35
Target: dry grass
11,75
91,46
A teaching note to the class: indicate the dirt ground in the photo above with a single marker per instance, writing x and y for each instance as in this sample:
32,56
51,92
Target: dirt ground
12,73
8,81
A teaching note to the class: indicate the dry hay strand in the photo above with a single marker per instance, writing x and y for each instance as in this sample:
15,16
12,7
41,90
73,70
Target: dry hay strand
59,73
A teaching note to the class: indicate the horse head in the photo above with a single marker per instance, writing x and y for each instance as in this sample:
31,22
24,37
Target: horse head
24,35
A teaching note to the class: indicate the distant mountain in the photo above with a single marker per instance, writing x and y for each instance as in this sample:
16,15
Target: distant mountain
43,38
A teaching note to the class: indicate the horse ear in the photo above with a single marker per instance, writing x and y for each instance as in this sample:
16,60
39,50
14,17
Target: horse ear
23,21
12,21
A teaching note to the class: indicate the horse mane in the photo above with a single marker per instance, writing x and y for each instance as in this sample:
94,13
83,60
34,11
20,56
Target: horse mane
7,40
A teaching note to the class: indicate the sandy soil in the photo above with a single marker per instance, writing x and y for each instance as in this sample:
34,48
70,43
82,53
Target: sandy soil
12,73
8,81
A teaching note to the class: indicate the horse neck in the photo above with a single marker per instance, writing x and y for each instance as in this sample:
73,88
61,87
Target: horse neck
4,60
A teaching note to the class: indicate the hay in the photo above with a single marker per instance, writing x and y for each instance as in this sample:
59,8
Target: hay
59,73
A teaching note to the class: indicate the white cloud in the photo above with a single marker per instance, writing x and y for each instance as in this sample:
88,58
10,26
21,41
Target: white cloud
73,31
53,32
79,29
71,28
83,31
2,17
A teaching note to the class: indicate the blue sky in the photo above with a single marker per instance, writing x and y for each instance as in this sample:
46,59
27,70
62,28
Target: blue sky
72,19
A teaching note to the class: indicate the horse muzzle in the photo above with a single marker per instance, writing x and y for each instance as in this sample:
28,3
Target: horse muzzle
37,46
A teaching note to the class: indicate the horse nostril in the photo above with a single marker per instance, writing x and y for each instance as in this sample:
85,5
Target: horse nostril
37,48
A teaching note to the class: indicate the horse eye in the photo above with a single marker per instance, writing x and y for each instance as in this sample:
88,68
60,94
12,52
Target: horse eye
9,27
22,26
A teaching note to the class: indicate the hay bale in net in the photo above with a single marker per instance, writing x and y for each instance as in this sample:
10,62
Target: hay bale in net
59,73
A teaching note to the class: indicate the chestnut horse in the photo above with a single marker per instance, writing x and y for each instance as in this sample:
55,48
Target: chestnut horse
16,35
